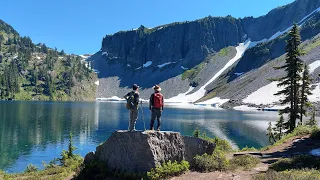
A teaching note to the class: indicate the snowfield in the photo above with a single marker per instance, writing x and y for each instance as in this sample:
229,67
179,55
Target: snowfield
190,98
165,64
147,64
265,95
184,68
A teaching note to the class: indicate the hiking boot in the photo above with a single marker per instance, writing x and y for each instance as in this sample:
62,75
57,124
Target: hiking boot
152,129
158,129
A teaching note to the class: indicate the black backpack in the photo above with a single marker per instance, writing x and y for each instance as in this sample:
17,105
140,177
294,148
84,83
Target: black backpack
130,101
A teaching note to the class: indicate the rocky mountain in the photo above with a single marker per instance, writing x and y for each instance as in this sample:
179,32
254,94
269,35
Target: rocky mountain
31,71
205,60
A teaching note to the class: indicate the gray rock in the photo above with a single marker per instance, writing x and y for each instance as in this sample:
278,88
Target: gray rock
141,151
89,157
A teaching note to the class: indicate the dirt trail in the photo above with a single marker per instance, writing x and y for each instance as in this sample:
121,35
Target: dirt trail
292,147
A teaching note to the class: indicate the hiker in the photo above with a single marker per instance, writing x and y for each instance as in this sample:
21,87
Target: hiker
156,106
133,105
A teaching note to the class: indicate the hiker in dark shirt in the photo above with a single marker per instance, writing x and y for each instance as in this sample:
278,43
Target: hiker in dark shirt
133,106
156,107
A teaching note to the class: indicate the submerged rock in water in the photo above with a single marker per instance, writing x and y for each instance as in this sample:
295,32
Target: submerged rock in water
141,151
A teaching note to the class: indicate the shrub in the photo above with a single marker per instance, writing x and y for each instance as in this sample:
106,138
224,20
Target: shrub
31,168
209,163
168,169
222,144
244,161
51,164
248,149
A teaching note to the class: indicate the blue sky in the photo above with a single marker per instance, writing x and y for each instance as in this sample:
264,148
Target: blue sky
78,26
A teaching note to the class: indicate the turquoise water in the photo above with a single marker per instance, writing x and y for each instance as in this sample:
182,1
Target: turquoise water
36,132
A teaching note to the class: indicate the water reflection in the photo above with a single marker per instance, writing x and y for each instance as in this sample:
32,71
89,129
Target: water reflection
32,132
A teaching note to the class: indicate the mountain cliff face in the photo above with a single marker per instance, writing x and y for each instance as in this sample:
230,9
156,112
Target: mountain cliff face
188,54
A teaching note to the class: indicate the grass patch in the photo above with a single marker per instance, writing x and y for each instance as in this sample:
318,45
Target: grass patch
309,47
192,73
289,175
51,173
225,51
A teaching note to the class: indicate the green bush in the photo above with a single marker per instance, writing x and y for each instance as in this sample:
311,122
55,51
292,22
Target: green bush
168,169
51,164
209,163
31,168
289,175
297,162
221,144
248,149
244,161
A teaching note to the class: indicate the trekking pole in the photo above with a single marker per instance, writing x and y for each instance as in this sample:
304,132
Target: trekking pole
144,124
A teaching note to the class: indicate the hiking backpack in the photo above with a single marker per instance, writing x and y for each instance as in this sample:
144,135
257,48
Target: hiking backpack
130,101
158,100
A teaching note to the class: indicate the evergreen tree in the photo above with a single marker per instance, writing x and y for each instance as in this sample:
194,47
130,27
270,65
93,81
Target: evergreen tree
279,128
270,134
50,86
62,53
293,67
196,133
312,121
1,41
44,48
305,91
71,147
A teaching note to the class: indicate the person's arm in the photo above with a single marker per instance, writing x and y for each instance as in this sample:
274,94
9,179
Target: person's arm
151,101
136,98
126,96
162,102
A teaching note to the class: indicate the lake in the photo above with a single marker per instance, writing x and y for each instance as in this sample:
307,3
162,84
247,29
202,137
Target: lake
36,132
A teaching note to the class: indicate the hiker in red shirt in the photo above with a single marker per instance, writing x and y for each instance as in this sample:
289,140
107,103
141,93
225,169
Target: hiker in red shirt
156,106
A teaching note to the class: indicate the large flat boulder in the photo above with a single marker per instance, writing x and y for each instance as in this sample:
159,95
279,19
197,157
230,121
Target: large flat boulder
141,151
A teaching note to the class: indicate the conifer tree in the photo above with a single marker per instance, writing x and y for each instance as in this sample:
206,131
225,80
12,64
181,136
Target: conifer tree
312,121
270,134
291,82
279,128
305,91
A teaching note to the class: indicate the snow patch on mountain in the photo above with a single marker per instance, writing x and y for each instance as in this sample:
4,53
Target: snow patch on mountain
147,64
313,66
302,21
315,97
184,68
265,95
180,98
165,64
241,48
238,74
216,102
